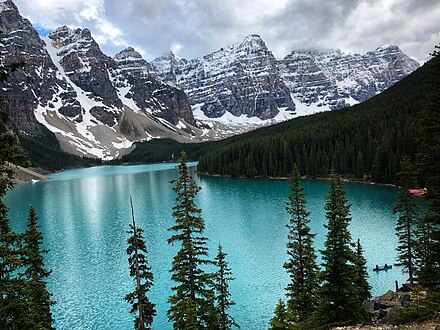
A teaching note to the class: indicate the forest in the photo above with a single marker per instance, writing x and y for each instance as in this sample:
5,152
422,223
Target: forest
366,141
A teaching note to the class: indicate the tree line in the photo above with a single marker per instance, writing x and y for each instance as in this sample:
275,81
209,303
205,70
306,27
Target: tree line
365,141
316,296
24,299
320,297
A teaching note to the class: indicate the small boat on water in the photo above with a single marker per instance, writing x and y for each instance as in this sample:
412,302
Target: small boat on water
384,267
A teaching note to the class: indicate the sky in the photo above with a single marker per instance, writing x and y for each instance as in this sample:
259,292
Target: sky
194,28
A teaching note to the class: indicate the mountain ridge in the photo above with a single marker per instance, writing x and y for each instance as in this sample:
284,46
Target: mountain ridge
309,81
98,106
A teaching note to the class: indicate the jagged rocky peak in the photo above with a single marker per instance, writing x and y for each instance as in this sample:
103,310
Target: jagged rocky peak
393,55
7,5
36,81
86,65
15,28
240,79
64,36
253,43
168,67
130,59
128,53
334,79
136,80
77,43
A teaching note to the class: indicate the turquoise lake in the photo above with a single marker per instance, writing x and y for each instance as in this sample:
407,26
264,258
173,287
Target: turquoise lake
85,214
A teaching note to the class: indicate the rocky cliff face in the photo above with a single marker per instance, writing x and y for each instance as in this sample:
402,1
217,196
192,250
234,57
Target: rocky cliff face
335,79
241,79
136,80
246,79
98,106
20,43
95,105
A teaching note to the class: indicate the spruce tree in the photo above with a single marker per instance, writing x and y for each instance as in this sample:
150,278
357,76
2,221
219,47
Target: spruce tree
340,301
429,273
192,304
361,273
301,266
423,252
142,307
280,321
35,275
221,284
407,211
14,309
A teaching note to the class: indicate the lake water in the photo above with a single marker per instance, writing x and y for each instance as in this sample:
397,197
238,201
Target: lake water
85,214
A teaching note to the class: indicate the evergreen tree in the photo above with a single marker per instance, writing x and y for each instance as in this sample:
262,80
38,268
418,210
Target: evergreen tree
423,253
301,265
340,301
280,321
140,271
407,210
221,285
35,274
14,309
429,273
192,304
361,273
13,306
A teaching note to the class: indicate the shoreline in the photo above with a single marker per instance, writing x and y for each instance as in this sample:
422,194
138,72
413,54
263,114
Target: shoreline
30,175
27,175
302,178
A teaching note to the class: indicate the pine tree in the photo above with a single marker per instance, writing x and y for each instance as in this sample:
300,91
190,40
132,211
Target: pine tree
361,273
301,265
193,296
407,210
221,284
142,307
340,301
280,321
35,275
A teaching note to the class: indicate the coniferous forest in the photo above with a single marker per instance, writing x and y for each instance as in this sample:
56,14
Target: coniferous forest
394,137
365,141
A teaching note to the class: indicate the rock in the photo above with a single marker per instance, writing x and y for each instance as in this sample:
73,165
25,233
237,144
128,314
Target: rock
242,79
246,79
85,63
136,76
69,86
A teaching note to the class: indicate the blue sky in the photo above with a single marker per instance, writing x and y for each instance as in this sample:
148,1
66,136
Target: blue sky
43,31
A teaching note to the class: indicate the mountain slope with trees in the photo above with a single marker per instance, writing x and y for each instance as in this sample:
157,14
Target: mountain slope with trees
366,141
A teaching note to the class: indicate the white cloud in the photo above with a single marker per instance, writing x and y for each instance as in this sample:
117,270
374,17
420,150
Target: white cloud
193,28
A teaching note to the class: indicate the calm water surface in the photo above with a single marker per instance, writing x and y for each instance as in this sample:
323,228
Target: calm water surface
84,215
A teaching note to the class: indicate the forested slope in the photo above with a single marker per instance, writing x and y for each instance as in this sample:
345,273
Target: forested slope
45,152
365,141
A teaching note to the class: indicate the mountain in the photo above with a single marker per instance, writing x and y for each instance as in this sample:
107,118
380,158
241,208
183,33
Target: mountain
241,79
365,142
95,105
75,98
245,80
333,80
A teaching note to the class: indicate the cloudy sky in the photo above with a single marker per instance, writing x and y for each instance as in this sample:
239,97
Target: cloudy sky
193,28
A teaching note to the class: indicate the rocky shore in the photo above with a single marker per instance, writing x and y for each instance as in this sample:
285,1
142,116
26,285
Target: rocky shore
27,175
